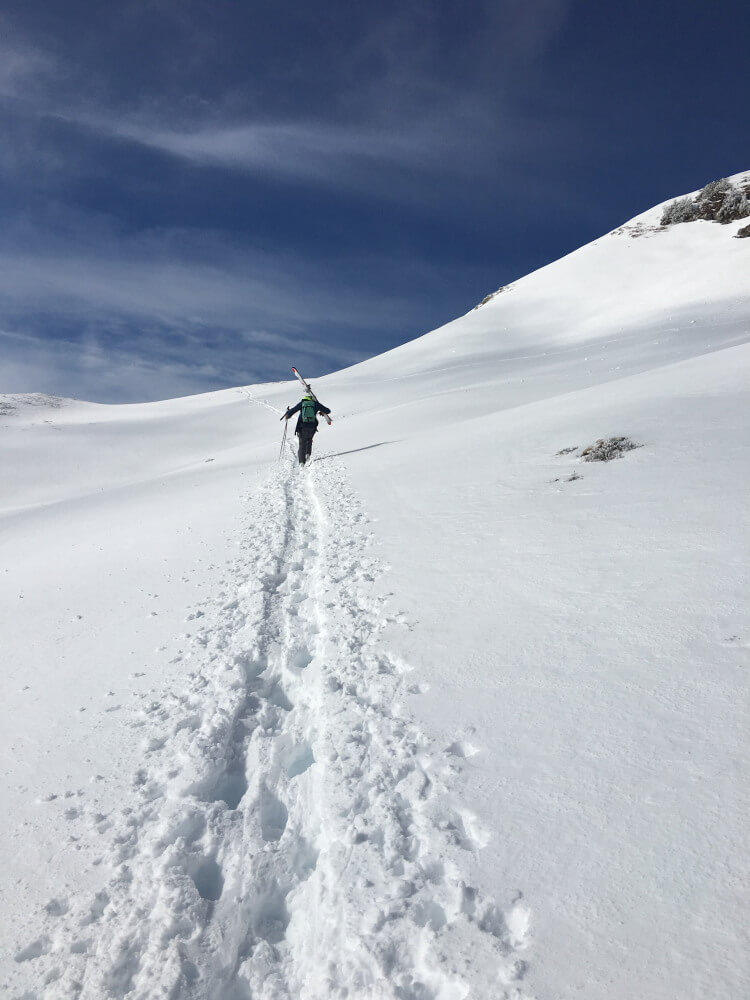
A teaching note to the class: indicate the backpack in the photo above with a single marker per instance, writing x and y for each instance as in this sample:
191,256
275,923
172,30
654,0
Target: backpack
307,411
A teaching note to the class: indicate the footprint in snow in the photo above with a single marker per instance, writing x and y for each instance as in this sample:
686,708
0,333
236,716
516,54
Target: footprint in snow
207,877
273,816
460,748
57,907
34,950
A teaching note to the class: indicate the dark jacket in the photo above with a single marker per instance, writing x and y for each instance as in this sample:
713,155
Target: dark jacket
319,408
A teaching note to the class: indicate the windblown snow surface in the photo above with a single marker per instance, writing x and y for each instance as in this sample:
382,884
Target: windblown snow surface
450,713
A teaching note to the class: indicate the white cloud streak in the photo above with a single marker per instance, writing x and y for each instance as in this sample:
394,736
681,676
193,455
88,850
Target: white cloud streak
400,132
247,290
132,322
92,367
313,149
23,70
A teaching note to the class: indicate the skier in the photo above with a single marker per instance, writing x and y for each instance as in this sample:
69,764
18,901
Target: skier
307,423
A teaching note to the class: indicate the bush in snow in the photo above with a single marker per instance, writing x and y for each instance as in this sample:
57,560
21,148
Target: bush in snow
605,449
680,210
735,206
719,201
710,201
745,231
715,188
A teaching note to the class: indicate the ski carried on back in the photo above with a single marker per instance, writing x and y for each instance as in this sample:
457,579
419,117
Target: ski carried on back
309,389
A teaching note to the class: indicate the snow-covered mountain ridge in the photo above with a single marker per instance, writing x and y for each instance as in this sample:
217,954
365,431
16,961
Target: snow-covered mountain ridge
433,718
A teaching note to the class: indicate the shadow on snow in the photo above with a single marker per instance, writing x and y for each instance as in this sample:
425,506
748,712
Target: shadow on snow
353,451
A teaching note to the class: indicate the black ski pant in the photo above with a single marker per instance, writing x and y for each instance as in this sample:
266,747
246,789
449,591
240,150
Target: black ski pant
305,436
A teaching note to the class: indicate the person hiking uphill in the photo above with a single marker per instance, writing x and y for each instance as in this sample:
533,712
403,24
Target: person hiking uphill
307,424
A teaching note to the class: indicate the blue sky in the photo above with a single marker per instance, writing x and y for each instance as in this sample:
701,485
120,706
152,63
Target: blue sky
200,194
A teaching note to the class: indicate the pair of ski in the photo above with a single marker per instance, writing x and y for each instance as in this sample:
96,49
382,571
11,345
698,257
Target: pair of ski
308,387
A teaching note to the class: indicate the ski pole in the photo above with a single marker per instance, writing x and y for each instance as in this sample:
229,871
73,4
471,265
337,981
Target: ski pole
283,441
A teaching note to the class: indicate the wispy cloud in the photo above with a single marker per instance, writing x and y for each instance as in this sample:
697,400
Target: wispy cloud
154,278
86,369
146,316
25,70
402,120
408,110
400,159
147,361
319,149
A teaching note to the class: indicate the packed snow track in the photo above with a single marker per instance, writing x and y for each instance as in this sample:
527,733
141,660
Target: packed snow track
296,836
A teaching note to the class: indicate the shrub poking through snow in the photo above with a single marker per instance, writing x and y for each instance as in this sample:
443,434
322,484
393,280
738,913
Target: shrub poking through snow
741,233
605,449
719,201
681,210
715,189
735,206
493,295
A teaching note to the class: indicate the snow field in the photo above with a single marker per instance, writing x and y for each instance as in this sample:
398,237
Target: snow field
293,832
325,790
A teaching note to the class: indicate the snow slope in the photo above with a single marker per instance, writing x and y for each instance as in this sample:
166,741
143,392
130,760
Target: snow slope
432,718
